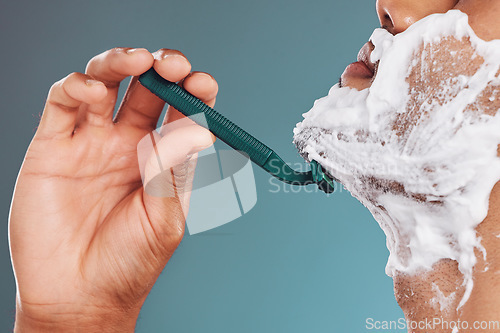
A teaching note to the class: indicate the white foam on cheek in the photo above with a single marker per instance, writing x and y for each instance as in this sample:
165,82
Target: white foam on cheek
429,188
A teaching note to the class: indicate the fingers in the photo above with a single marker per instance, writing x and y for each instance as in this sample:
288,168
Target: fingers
171,64
199,84
64,102
140,107
111,67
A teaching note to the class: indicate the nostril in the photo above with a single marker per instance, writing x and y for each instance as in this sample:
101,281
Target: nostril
396,16
387,22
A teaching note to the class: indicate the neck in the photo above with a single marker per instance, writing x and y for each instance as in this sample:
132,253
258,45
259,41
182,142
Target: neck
435,295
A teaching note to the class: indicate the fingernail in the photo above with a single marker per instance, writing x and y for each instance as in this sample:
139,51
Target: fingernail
157,55
166,55
91,82
203,74
130,51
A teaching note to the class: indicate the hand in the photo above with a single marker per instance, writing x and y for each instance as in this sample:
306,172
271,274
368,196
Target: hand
87,241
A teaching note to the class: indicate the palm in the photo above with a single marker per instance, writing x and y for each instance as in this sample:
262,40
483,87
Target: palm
88,207
80,215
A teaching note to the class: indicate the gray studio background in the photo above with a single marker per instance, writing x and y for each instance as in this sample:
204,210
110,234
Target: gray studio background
298,262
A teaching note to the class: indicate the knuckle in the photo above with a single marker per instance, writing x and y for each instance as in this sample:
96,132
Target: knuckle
114,53
177,233
118,50
62,83
92,63
56,86
75,76
97,61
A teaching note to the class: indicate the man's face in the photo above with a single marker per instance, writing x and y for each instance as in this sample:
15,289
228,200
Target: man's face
426,87
419,148
397,15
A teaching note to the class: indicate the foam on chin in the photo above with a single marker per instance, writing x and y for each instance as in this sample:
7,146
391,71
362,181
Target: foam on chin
422,161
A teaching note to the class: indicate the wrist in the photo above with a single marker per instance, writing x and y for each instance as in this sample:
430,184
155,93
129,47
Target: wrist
64,318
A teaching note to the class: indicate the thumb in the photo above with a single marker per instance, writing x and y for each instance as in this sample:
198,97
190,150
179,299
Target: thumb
168,172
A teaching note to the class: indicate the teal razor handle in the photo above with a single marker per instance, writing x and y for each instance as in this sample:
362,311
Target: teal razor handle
233,135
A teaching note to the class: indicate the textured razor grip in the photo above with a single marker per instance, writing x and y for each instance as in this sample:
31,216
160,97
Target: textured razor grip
219,125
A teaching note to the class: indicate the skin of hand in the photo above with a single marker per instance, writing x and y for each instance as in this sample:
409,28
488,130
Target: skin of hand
414,292
87,241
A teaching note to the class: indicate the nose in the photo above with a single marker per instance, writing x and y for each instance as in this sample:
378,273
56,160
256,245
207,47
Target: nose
397,15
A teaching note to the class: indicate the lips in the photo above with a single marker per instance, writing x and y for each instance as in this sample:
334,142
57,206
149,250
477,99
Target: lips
361,70
358,69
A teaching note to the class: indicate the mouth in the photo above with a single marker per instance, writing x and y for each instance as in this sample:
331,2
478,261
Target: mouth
364,57
358,69
361,72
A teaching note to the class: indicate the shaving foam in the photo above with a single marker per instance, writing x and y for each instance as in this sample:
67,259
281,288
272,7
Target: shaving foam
419,147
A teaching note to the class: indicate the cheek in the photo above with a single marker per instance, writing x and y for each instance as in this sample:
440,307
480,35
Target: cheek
483,17
433,80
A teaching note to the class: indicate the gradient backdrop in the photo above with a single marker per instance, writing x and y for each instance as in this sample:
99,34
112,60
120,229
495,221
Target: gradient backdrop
298,262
